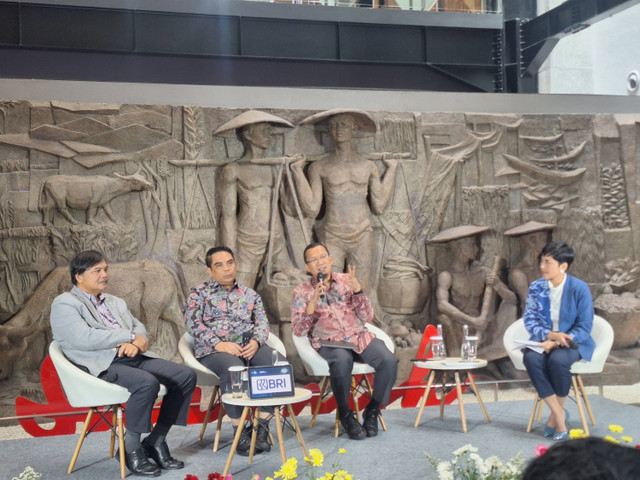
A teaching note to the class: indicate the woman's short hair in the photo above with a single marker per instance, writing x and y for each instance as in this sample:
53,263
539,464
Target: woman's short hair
559,251
82,262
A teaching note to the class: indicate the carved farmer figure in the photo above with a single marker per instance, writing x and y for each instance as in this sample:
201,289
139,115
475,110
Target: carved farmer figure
345,180
534,236
466,295
247,198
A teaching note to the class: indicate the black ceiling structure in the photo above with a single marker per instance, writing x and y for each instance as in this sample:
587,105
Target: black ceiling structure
232,42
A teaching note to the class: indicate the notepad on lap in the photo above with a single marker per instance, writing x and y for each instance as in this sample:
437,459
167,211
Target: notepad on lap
533,345
337,344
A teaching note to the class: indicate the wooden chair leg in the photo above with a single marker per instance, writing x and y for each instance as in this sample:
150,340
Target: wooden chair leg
583,392
337,426
540,408
212,402
323,389
536,404
83,434
221,414
583,418
120,421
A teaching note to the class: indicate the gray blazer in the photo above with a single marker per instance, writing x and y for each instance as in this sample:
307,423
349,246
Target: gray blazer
84,339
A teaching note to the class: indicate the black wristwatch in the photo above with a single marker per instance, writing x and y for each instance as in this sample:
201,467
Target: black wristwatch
358,292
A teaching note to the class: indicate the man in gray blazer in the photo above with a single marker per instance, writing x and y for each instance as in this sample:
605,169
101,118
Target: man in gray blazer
98,332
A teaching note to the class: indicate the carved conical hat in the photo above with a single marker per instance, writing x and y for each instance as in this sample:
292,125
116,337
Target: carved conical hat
249,118
528,227
455,233
365,122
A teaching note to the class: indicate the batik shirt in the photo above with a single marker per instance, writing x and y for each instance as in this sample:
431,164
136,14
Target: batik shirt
340,315
213,314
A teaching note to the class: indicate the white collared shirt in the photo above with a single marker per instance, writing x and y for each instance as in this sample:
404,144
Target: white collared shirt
555,296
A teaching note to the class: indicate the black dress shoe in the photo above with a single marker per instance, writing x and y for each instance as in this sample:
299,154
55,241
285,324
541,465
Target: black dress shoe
352,426
138,463
370,422
160,454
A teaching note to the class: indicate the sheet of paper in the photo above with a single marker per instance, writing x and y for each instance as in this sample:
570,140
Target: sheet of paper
533,345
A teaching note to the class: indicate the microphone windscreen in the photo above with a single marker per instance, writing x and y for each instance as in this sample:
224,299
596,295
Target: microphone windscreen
321,277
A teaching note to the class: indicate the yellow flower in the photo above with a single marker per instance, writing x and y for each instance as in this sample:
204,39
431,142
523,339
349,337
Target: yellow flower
627,439
288,470
616,428
316,457
342,451
609,438
577,433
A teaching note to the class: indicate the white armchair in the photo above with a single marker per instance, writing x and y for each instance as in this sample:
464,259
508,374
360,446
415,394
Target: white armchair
317,366
208,378
84,390
602,334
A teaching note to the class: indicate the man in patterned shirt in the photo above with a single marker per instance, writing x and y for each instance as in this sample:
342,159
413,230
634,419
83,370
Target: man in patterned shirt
336,309
217,315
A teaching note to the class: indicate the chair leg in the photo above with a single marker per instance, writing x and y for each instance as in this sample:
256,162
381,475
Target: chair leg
536,404
221,414
212,402
120,420
323,389
337,426
83,434
583,418
583,392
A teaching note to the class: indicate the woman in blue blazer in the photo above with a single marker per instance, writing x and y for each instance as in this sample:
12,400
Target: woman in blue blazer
559,315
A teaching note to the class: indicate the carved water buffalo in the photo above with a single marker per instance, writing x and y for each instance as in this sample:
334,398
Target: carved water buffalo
88,193
149,287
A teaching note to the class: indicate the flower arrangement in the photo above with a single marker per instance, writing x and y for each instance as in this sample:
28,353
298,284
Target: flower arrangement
28,474
468,465
315,460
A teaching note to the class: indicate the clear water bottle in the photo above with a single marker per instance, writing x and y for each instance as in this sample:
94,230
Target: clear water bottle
464,347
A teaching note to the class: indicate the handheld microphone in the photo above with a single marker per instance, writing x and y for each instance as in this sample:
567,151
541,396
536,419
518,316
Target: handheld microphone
321,279
573,344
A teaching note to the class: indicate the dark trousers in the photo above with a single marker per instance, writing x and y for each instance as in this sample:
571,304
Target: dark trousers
219,363
341,363
142,376
550,373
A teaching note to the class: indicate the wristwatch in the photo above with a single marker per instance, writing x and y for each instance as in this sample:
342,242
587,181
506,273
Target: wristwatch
132,338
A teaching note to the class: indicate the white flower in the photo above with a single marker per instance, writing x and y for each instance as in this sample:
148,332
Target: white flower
464,449
444,472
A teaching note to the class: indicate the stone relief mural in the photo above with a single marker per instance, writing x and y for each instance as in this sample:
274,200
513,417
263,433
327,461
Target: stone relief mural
154,186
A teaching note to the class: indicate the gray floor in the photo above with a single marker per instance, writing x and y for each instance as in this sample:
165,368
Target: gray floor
398,451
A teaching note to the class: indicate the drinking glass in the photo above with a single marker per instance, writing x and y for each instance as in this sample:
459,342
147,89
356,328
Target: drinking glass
472,348
235,378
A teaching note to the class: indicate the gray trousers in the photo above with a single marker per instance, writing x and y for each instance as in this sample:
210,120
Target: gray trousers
341,363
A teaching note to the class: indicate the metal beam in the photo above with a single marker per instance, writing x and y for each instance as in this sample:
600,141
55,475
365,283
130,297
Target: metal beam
539,35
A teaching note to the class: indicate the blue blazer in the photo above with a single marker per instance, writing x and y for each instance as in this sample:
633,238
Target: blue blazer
576,313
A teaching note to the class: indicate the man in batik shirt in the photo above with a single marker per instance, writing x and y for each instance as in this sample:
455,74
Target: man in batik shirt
336,309
218,314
